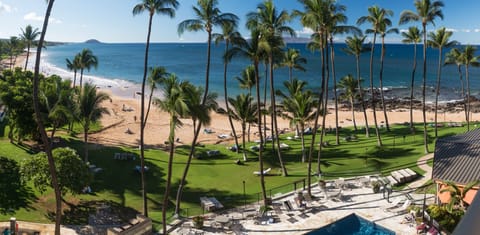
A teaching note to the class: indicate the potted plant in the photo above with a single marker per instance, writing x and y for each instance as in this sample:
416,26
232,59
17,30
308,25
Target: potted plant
198,221
376,186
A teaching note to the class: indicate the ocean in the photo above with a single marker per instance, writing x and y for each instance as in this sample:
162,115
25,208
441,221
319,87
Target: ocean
120,67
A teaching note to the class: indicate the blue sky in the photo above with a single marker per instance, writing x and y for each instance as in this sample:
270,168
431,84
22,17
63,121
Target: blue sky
112,20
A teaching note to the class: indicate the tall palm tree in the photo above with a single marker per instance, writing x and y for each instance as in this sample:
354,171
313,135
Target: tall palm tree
350,86
292,59
355,46
229,35
152,7
412,36
439,39
73,65
247,81
41,127
86,60
315,17
29,35
375,17
427,11
14,46
245,111
200,115
89,110
469,59
455,56
384,30
272,25
299,106
253,50
157,74
173,103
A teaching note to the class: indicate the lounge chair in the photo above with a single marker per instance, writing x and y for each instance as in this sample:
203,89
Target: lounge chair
335,195
394,204
284,146
288,205
402,209
265,172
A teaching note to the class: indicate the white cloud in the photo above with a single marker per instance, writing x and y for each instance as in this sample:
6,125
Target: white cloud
34,17
476,30
5,8
304,31
452,30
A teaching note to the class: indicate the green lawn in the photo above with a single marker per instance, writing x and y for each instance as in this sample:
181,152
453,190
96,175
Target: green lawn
219,176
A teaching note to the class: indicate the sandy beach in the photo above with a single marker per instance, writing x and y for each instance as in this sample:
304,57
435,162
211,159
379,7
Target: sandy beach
124,109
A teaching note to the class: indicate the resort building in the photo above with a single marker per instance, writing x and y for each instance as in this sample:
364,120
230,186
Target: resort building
457,160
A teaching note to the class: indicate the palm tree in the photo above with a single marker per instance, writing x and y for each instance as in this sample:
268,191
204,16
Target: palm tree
89,110
161,7
355,46
247,81
253,50
173,103
293,60
229,35
385,23
29,35
469,59
14,47
41,127
455,56
439,40
272,25
412,36
74,65
299,106
457,194
376,18
350,86
426,13
245,111
157,74
86,61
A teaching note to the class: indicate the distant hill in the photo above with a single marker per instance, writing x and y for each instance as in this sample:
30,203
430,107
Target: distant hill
92,41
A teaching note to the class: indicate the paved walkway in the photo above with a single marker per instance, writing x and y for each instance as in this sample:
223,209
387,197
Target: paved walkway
422,164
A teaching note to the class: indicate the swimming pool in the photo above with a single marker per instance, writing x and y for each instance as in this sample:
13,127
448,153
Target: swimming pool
352,225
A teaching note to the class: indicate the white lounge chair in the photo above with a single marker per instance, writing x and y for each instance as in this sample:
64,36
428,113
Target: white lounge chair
394,204
402,209
265,172
284,146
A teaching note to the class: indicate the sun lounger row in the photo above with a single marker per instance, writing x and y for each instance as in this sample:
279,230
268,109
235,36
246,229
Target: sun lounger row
210,203
124,156
402,176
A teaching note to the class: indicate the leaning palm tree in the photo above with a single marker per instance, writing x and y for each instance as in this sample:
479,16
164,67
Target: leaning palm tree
350,85
157,74
412,36
74,65
439,39
229,35
272,25
427,11
245,111
86,60
376,18
174,103
469,59
41,127
384,30
355,46
455,56
29,35
161,7
90,110
292,59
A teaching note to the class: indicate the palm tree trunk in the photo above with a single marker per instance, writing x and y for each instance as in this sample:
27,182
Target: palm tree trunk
412,84
468,96
166,195
81,78
360,93
275,136
260,152
265,107
196,131
26,59
437,91
372,91
302,137
226,100
337,134
149,103
425,133
353,114
74,78
460,75
325,110
384,106
243,143
143,120
41,127
85,141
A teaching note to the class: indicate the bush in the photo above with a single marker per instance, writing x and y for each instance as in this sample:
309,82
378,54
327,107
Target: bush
376,186
447,220
198,221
